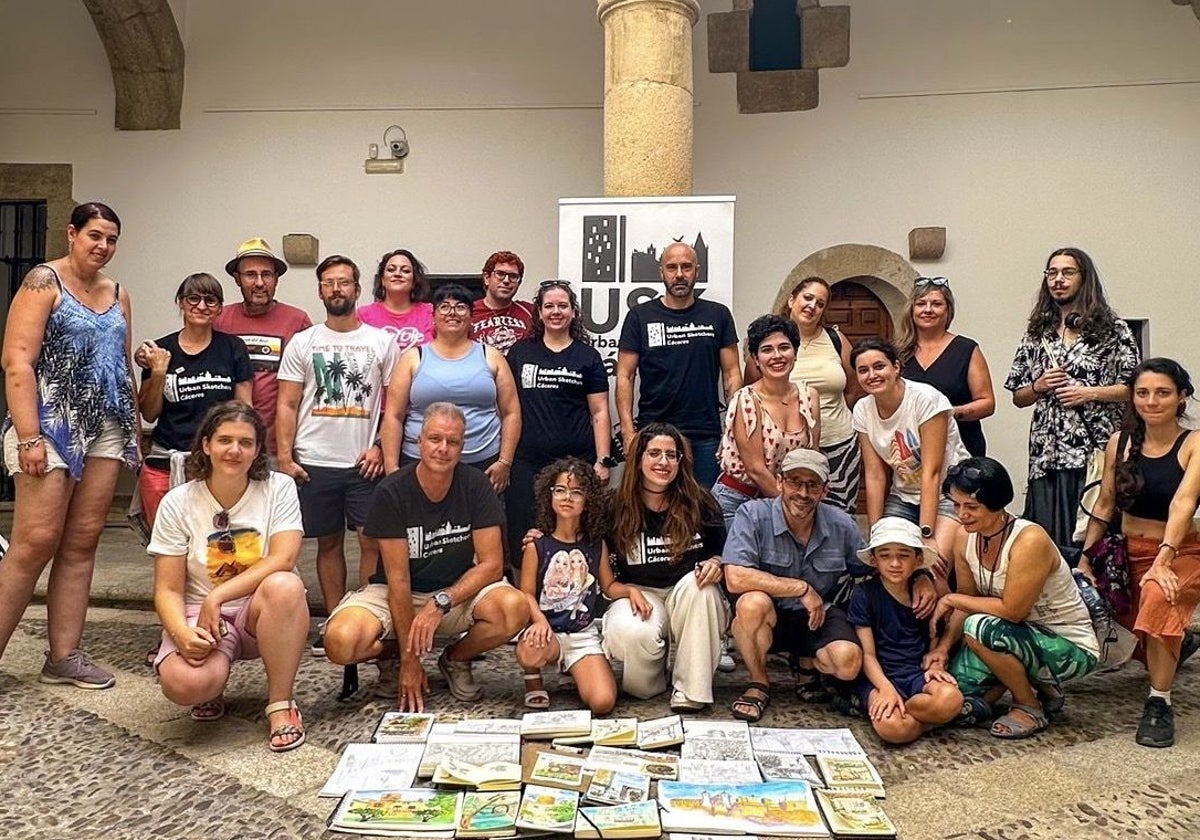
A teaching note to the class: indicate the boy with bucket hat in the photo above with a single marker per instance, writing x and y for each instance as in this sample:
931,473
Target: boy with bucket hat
904,688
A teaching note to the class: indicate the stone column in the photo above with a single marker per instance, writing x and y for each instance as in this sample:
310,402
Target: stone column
648,95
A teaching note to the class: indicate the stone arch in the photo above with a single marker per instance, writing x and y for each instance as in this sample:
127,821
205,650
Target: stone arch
146,55
887,274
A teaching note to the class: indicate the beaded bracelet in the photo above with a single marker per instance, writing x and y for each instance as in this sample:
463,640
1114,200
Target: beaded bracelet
31,443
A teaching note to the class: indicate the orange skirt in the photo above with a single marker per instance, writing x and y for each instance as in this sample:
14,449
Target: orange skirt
1157,617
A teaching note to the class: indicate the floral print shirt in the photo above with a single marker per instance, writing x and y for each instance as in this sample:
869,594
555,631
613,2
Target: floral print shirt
1062,438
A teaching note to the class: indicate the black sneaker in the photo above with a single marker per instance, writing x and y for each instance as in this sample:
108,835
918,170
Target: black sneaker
318,645
1157,728
1191,644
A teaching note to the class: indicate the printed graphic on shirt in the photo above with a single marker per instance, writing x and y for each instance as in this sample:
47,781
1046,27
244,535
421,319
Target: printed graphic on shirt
342,377
654,549
659,334
232,552
905,458
429,545
549,378
500,331
182,388
265,351
406,337
568,580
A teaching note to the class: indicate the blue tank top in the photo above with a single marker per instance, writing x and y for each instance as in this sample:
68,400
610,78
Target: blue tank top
469,384
83,378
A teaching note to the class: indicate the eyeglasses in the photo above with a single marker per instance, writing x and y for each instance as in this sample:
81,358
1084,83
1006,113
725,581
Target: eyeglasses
448,308
337,284
795,482
506,275
561,491
659,454
211,301
220,521
1067,273
257,275
940,282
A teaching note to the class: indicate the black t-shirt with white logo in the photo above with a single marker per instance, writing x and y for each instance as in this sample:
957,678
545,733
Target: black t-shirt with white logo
649,563
679,362
439,534
553,388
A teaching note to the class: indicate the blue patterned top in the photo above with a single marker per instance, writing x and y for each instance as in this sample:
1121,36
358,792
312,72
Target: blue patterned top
83,379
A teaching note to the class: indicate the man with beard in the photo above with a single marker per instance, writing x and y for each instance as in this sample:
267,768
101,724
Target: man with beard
680,346
1071,366
788,563
497,318
331,385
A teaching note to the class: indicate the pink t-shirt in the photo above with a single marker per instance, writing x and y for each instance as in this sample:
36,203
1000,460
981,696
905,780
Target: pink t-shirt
265,335
410,329
501,328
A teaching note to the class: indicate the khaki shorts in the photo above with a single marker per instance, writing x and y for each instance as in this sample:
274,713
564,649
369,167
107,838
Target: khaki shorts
374,599
110,444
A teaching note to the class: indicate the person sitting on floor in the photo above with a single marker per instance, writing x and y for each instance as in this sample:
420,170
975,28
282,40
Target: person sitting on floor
905,690
562,574
441,561
789,562
225,586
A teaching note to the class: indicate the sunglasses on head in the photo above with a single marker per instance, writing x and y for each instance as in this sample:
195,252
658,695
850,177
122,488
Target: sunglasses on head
932,281
554,284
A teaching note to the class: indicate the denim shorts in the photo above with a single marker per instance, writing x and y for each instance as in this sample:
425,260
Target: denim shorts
895,506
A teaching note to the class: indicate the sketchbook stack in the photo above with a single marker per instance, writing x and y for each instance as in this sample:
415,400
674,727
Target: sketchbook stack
564,773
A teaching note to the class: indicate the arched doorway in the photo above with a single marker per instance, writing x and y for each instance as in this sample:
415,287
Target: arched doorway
857,311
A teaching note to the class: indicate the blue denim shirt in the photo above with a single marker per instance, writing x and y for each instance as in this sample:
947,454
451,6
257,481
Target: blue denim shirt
760,539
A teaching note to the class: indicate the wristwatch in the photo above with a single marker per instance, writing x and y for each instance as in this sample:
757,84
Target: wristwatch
607,461
926,531
442,601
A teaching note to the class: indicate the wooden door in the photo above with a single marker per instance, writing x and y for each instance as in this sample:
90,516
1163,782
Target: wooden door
858,314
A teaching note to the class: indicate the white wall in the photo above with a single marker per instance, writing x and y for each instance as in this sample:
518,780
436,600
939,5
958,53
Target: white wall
1011,174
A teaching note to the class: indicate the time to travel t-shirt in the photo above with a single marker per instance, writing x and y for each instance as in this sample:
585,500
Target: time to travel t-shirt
553,388
649,563
195,383
679,363
186,526
344,375
441,548
501,328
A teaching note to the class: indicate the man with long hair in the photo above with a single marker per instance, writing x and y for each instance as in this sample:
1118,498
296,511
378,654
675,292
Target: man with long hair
1071,366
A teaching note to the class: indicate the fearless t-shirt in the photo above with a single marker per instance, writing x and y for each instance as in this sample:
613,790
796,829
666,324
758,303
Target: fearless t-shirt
649,562
553,387
186,527
501,328
679,362
195,383
441,548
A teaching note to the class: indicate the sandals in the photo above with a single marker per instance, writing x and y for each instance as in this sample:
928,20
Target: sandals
975,712
294,726
1012,729
758,703
536,698
209,710
1051,696
813,688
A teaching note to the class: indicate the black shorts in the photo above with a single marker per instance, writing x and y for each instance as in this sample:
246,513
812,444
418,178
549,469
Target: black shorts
793,636
333,499
906,685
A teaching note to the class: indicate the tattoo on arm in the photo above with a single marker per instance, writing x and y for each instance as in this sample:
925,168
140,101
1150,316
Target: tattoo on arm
39,279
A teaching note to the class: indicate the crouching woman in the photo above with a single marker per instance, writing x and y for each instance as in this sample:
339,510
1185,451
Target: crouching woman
225,546
1024,625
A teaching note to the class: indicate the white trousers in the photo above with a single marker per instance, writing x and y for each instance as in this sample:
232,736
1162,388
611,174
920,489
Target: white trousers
691,618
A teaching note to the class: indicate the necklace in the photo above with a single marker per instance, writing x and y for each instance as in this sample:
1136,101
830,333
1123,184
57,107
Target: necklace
782,400
985,540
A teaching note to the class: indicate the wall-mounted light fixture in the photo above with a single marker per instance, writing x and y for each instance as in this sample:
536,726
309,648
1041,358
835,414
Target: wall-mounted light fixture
395,141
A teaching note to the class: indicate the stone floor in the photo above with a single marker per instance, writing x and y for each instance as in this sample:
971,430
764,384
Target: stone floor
126,763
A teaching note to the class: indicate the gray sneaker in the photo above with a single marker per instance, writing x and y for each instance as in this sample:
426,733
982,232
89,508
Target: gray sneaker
459,679
726,664
388,687
76,669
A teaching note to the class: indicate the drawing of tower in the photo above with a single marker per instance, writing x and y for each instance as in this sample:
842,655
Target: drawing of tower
603,249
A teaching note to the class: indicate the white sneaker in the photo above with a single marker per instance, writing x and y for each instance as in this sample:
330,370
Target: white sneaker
726,664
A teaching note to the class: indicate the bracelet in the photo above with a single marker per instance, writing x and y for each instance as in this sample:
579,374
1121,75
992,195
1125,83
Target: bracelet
504,461
31,443
1163,545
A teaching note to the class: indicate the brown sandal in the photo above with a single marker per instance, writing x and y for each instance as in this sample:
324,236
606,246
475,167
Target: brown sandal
758,704
294,726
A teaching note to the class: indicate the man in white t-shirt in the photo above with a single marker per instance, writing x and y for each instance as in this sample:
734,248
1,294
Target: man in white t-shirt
331,383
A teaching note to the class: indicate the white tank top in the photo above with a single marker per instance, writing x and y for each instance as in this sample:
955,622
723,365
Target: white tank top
1059,607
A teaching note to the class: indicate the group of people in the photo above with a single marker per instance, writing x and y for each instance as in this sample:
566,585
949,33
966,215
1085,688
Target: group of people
468,444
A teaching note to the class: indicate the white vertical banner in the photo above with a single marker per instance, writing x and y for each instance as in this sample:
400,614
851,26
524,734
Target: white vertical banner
609,249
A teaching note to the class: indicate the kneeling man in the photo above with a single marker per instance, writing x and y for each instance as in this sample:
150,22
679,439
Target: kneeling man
441,562
788,562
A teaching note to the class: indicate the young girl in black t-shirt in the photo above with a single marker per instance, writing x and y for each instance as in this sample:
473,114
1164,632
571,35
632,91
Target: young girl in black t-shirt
562,574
